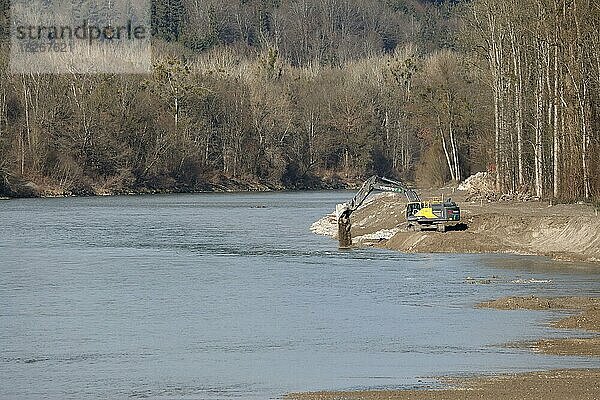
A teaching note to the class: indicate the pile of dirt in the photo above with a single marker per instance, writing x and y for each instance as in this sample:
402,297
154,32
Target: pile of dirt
379,218
565,231
482,185
571,238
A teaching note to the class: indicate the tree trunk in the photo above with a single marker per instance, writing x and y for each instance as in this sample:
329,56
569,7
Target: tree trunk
556,135
497,134
28,127
585,142
538,147
455,156
455,160
518,107
450,167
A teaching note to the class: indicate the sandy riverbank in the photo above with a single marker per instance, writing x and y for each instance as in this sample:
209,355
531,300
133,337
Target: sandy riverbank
586,316
548,385
563,231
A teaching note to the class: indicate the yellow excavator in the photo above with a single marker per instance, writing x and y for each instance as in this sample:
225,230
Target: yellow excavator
432,214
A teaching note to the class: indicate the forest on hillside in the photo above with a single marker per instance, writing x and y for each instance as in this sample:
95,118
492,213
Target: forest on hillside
291,94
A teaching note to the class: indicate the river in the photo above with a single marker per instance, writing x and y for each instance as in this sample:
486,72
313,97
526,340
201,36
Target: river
230,296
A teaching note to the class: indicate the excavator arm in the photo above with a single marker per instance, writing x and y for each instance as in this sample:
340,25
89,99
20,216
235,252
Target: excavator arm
371,184
343,211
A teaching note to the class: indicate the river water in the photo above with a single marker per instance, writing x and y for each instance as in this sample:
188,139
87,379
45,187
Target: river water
230,296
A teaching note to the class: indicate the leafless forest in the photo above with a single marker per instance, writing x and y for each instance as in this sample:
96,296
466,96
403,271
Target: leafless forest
318,93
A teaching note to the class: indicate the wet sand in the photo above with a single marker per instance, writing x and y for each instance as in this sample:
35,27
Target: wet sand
587,318
587,347
548,385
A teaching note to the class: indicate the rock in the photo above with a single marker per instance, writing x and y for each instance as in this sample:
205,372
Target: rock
326,226
384,234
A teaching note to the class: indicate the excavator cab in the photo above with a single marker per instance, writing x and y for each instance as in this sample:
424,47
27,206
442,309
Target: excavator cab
412,209
433,213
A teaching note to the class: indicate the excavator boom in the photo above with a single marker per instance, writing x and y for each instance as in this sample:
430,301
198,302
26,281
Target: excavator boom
382,184
418,213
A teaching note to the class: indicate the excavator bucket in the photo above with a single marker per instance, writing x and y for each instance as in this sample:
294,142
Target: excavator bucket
344,235
344,226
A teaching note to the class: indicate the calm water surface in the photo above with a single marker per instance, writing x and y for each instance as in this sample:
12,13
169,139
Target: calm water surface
232,297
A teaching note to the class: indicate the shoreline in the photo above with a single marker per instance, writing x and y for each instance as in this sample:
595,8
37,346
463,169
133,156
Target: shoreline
560,384
173,192
557,384
19,187
585,317
562,232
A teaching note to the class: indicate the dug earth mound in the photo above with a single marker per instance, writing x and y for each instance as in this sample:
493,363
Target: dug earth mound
562,231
